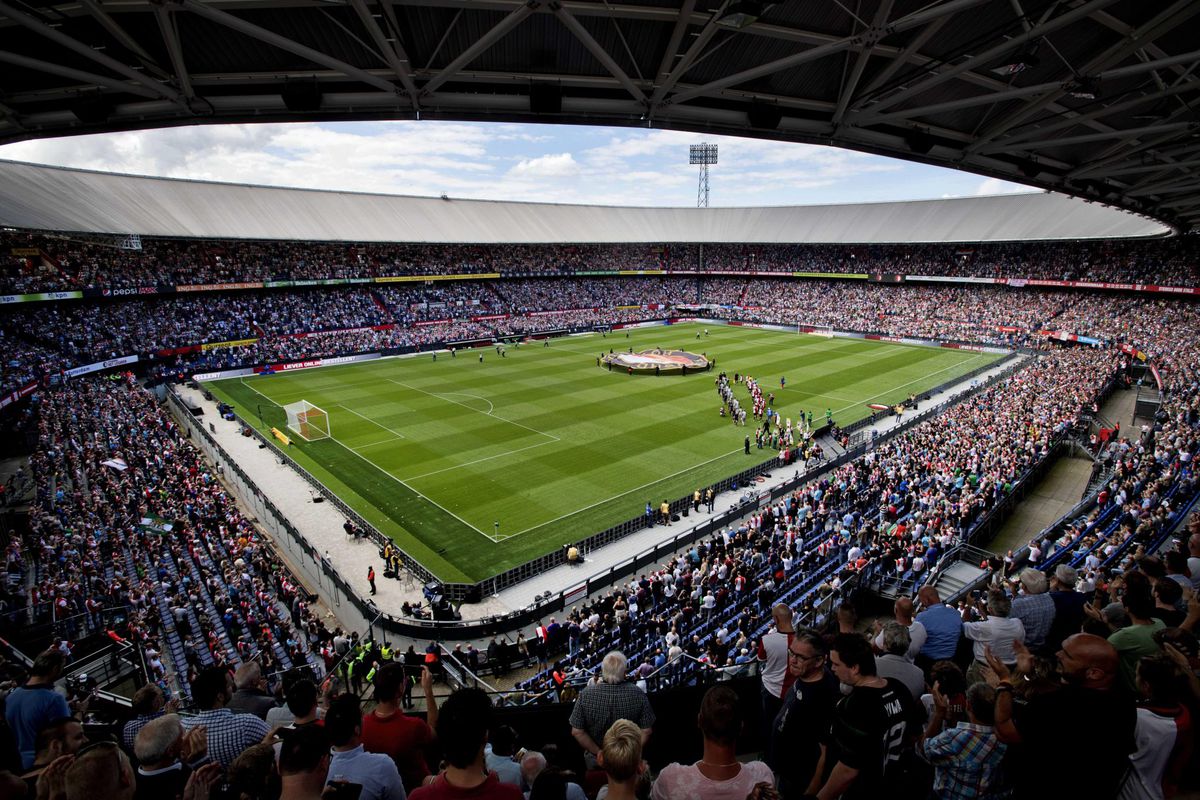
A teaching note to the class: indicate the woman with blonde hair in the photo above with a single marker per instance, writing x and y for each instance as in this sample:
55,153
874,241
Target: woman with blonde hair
621,759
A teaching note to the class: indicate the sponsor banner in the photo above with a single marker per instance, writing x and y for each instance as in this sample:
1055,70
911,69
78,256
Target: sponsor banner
487,317
431,322
641,272
648,324
951,279
13,397
26,251
218,287
1008,329
225,373
178,351
234,343
466,276
125,291
317,362
99,365
561,311
39,296
858,276
1133,351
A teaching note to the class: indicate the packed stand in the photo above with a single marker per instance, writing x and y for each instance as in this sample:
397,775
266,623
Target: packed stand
129,518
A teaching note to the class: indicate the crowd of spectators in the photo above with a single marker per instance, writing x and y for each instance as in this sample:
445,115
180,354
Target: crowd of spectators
132,532
63,263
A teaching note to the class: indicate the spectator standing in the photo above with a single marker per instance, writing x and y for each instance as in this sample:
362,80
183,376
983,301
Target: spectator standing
387,729
251,695
997,631
304,764
603,703
228,733
894,662
718,775
164,752
873,726
462,730
799,746
902,611
149,704
967,758
28,708
1035,609
1067,722
57,738
300,709
102,770
1165,732
773,653
499,756
621,760
1136,639
1068,606
943,628
350,763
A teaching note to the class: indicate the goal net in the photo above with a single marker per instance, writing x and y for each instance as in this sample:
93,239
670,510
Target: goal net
307,421
825,331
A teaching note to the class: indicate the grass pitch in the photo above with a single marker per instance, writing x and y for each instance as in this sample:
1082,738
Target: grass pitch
552,447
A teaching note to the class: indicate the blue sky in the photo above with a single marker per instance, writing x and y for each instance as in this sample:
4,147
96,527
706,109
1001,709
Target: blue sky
550,163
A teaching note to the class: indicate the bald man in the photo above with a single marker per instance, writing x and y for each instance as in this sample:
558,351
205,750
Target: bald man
1088,720
902,612
943,628
773,652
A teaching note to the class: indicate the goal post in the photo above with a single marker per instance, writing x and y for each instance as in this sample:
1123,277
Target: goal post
307,421
824,331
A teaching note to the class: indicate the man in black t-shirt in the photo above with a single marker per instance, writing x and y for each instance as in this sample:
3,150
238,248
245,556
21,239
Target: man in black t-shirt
800,734
874,726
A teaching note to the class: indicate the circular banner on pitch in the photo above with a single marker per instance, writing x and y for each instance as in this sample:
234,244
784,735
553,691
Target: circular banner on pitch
657,360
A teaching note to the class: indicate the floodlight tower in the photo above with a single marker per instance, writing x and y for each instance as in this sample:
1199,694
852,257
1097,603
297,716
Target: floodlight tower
702,154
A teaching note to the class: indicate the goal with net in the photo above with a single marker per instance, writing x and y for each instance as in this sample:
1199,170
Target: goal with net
825,331
307,421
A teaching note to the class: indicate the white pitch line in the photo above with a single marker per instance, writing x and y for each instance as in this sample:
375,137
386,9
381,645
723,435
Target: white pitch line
369,444
414,491
479,461
368,419
491,405
385,472
910,383
622,494
476,410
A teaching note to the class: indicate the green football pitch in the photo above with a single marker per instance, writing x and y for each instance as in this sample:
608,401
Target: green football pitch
473,468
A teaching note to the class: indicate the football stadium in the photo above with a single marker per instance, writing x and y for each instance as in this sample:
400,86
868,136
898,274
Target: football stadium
332,489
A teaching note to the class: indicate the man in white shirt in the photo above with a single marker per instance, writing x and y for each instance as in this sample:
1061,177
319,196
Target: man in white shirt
902,611
349,763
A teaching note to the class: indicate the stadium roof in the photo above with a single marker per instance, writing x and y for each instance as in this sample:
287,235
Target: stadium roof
1095,98
57,199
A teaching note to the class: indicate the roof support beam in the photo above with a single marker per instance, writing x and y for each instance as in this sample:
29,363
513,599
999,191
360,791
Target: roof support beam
1154,168
1053,89
815,53
1129,133
283,43
1170,17
1120,152
481,44
1036,32
166,26
75,46
127,41
681,26
860,63
901,58
702,39
396,58
1164,185
88,79
1100,113
587,40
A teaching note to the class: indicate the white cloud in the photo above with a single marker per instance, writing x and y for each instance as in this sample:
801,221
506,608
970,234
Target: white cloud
559,165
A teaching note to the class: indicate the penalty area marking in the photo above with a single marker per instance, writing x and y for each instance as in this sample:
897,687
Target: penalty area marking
385,472
373,422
